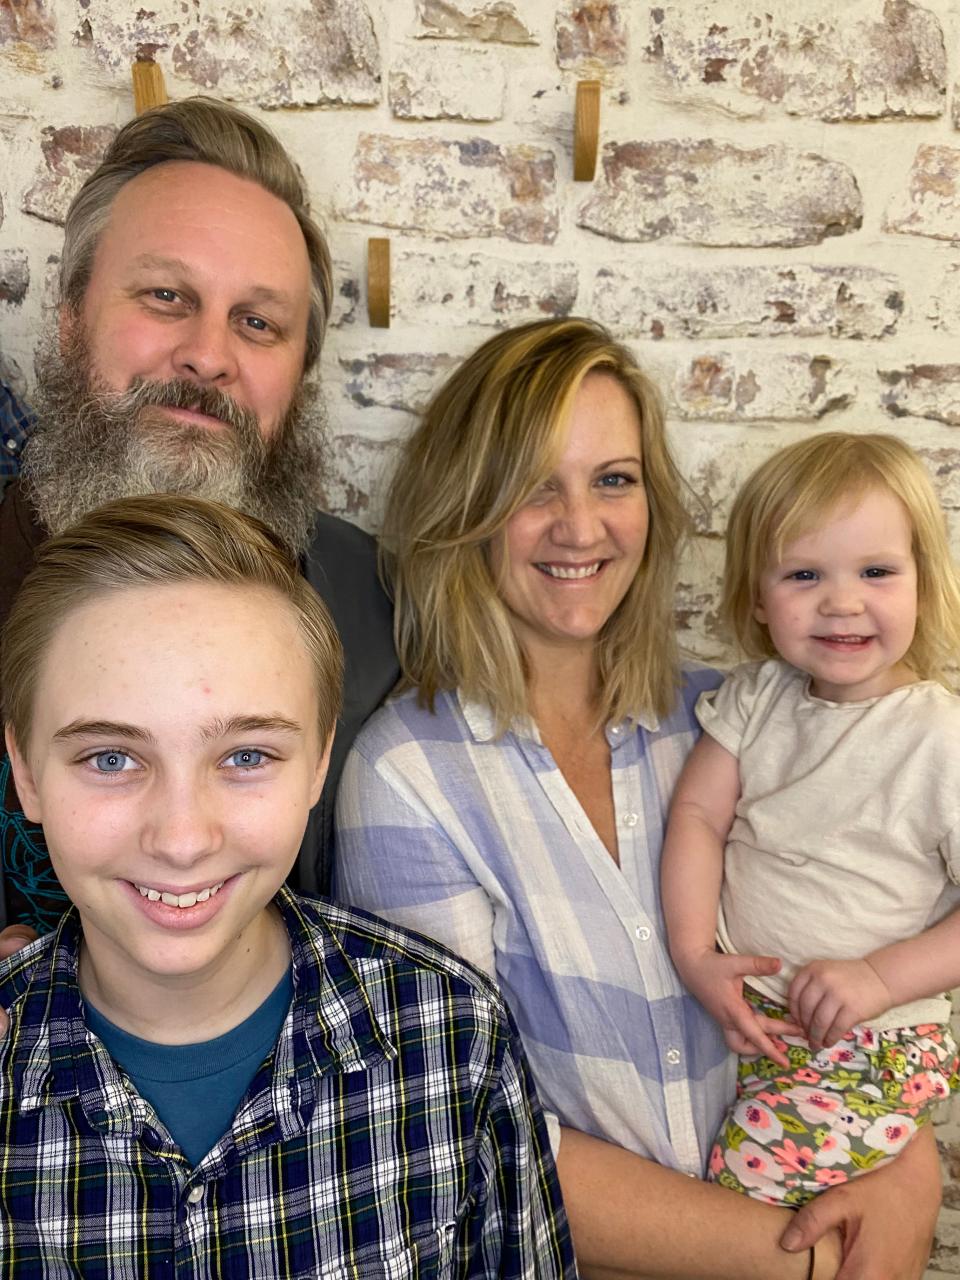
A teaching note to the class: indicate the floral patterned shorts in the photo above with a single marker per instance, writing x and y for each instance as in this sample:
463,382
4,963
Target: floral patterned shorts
833,1114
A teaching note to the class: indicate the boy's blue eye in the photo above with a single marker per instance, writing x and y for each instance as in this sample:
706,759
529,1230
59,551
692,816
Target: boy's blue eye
110,761
246,759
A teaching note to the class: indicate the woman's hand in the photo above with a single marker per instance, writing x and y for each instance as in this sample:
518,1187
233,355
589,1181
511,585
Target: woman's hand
886,1217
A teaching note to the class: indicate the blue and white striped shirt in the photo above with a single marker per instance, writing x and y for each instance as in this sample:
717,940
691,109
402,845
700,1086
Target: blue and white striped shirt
480,843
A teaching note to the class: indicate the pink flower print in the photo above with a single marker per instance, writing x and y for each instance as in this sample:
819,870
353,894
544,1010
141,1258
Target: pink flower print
918,1088
830,1177
771,1099
757,1120
832,1147
716,1159
890,1133
928,1029
938,1085
815,1106
790,1156
866,1038
753,1166
929,1060
808,1076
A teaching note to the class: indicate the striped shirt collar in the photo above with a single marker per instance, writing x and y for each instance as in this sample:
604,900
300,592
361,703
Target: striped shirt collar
482,724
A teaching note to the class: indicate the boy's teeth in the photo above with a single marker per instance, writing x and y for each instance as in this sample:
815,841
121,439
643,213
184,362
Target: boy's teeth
571,571
179,899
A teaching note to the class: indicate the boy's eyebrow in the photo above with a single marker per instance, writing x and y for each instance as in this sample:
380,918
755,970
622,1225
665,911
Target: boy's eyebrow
102,729
249,724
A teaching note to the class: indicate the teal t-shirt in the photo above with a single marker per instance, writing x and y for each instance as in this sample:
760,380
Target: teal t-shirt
195,1089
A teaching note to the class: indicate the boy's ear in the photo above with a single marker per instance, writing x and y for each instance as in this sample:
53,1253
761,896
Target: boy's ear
22,777
323,764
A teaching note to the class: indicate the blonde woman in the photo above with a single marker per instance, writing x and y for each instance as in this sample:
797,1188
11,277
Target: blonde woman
511,802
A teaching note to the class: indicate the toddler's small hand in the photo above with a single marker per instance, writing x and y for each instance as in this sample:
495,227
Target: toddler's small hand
829,997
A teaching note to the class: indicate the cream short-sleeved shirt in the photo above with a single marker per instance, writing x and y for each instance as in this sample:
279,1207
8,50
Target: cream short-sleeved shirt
847,831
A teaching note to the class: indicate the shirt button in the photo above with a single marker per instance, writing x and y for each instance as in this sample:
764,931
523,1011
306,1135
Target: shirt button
673,1057
643,933
630,819
195,1195
615,730
10,446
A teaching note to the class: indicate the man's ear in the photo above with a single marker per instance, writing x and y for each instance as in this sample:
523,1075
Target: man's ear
22,777
323,764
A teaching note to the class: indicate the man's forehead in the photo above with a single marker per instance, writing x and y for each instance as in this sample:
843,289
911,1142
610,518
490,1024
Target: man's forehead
196,214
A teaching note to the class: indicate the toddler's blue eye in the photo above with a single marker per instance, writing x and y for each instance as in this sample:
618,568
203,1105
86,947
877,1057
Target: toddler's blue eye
110,761
247,759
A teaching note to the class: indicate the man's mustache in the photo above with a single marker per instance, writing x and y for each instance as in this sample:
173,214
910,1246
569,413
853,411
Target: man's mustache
181,393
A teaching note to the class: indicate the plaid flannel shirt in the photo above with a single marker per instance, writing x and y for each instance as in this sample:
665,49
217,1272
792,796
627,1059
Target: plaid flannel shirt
16,423
392,1132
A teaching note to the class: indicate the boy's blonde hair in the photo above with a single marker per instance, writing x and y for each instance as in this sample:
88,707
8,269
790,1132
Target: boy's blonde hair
157,539
488,438
800,486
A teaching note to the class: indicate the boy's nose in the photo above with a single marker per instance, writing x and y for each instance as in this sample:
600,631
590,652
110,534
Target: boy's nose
184,827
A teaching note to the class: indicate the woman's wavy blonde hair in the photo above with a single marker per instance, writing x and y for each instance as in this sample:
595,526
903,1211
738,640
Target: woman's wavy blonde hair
801,486
488,438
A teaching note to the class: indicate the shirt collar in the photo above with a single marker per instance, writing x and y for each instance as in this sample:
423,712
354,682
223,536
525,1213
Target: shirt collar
482,724
55,1058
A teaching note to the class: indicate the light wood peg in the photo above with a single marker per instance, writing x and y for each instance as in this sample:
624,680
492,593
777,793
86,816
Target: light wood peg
378,282
586,130
148,87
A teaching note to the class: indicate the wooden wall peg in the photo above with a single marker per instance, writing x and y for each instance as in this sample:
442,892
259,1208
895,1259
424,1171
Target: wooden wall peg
378,282
586,130
148,87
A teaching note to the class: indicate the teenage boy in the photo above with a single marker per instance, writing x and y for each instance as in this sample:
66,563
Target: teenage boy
206,1076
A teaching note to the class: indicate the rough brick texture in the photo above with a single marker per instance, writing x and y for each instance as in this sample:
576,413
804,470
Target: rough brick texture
856,61
469,188
735,388
447,83
275,53
748,302
930,203
924,391
441,289
711,193
591,35
69,156
498,20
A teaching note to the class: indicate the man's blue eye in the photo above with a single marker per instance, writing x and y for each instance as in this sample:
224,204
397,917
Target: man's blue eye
110,761
258,323
165,295
246,759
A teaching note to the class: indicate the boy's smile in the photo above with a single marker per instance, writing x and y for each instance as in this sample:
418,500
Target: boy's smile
173,761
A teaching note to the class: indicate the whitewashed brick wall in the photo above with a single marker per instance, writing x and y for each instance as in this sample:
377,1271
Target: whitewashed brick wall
774,226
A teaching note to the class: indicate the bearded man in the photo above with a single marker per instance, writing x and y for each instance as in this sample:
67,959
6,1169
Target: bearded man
195,291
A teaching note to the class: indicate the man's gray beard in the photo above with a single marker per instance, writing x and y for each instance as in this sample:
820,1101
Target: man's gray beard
92,445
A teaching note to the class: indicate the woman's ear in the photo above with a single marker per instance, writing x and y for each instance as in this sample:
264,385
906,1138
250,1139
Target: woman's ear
23,777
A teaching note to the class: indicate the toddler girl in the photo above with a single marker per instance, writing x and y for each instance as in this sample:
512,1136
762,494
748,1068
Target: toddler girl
821,814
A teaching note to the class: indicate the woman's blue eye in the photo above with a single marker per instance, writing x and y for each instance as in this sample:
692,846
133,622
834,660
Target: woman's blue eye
110,761
246,759
616,480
